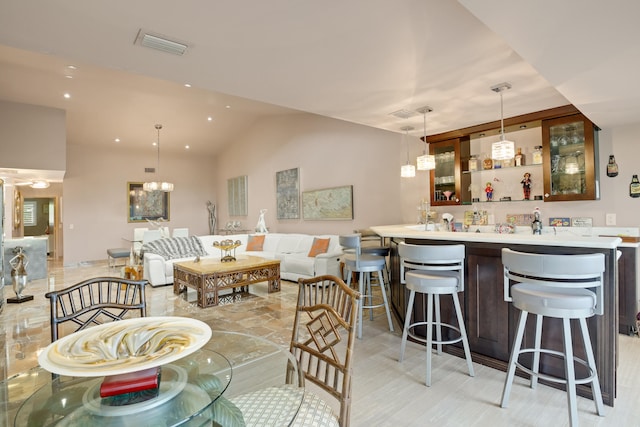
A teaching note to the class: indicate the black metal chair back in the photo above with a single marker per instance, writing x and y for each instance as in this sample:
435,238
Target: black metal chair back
96,301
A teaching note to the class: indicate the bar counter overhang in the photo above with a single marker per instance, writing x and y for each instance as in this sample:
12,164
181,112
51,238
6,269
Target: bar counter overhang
490,320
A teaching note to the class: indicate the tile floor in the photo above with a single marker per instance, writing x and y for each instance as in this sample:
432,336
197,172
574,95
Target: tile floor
385,392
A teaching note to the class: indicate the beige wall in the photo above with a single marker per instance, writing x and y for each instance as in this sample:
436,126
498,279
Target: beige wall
329,153
95,202
32,137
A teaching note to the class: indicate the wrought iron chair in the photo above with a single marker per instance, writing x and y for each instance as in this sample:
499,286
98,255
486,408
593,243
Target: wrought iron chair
96,301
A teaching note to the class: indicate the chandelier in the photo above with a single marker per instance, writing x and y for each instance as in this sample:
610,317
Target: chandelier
426,162
158,185
503,149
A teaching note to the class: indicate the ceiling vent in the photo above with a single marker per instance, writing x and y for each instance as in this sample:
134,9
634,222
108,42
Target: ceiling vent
158,42
403,114
149,170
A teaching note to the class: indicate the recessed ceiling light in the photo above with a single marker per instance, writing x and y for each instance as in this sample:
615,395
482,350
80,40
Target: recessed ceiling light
210,118
228,106
40,184
117,140
68,76
154,143
67,95
187,147
72,67
187,85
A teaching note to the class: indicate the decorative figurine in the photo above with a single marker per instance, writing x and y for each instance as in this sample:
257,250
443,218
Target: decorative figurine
526,185
489,191
19,275
536,225
212,217
261,227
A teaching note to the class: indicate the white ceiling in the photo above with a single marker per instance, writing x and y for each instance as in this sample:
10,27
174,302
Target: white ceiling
356,60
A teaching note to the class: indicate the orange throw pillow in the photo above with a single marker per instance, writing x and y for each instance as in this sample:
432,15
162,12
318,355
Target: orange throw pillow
319,246
255,243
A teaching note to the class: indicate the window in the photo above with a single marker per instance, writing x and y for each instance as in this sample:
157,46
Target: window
29,217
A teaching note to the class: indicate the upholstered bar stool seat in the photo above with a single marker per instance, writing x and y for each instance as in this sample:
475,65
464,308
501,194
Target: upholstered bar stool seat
565,287
553,302
433,271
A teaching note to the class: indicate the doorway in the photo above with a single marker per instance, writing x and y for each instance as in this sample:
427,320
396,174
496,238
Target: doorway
39,219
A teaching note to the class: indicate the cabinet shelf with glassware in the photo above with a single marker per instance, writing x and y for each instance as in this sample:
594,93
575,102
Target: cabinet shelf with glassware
569,150
449,186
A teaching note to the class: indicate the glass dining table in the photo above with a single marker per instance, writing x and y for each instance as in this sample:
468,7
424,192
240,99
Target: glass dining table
196,390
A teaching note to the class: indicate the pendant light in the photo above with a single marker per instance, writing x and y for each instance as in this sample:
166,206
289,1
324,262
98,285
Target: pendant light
158,185
426,162
503,149
408,170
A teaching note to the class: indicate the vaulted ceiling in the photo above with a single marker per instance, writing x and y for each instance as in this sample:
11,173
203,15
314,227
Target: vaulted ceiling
357,60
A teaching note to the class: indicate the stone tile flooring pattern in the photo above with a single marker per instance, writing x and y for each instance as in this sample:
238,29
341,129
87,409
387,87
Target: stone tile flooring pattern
24,328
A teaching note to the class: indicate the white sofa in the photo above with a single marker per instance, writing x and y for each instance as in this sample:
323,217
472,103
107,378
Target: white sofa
291,249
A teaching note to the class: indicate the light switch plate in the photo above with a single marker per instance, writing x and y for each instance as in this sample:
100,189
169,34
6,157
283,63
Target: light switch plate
610,219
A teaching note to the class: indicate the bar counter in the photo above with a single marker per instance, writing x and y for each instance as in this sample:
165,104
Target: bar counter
490,320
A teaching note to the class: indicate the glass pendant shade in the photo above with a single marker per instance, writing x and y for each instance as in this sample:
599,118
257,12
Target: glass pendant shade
426,162
503,150
408,171
158,185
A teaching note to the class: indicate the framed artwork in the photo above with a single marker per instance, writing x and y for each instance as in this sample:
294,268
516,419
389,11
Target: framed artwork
237,189
144,205
328,204
288,193
17,209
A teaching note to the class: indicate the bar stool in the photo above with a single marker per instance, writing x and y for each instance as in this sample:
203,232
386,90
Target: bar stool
372,243
365,264
560,286
434,271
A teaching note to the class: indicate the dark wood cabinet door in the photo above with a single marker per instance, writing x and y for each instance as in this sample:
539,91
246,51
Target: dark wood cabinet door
487,312
628,297
569,145
449,185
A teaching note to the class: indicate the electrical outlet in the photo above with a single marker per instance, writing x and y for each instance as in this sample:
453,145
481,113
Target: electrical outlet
610,219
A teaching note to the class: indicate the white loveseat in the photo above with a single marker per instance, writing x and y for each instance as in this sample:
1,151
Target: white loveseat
291,249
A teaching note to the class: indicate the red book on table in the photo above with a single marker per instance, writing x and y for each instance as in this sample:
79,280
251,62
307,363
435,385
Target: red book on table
128,383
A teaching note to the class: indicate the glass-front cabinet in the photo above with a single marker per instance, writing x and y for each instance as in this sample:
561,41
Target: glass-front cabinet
569,146
448,185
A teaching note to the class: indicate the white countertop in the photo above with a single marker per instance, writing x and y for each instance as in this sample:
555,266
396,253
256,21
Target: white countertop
413,231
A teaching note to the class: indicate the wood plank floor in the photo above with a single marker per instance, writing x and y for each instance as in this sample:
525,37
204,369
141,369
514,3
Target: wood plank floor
385,392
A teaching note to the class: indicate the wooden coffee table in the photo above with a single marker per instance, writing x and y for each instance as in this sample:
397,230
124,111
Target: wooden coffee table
210,276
